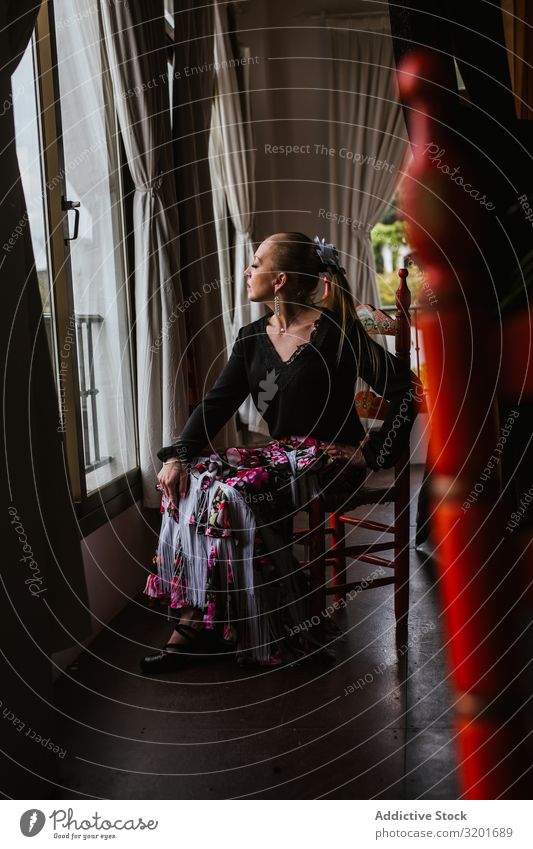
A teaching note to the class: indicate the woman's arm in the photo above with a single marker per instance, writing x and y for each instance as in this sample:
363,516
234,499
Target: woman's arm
393,380
214,410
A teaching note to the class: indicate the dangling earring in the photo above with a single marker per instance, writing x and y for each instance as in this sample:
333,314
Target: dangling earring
276,305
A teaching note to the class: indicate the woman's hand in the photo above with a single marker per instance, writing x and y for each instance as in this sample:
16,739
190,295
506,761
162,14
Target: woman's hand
173,478
351,454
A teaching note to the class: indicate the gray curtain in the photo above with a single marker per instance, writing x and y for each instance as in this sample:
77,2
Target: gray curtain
44,596
202,282
367,129
134,38
233,139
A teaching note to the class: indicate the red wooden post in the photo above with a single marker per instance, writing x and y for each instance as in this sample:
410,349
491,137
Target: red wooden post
478,589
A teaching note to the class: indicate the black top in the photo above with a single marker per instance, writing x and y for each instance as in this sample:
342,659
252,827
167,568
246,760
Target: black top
308,395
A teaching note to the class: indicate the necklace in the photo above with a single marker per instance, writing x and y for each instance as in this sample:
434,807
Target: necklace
283,329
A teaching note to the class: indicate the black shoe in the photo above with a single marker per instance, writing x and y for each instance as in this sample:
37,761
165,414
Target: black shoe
168,661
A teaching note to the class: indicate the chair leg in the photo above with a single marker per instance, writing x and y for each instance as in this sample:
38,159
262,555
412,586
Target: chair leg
401,590
317,563
338,543
401,545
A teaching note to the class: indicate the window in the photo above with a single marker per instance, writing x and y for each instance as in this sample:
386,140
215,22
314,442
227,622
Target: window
26,111
391,251
98,273
70,156
389,242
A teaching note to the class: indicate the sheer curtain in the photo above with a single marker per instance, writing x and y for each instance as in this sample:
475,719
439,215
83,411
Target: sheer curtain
234,158
218,189
368,134
134,37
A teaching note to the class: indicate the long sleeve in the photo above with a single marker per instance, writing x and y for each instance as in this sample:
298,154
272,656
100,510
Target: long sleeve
393,380
214,410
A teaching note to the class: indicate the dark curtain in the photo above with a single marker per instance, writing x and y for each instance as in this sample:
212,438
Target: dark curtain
472,33
18,21
518,23
499,144
194,81
44,597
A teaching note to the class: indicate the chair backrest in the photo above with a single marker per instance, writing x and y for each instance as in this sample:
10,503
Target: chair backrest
378,323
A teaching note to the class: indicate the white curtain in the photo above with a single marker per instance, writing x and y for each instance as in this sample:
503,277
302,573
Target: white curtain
218,189
134,37
368,134
235,160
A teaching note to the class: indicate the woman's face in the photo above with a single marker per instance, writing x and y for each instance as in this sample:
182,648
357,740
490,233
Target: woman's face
263,274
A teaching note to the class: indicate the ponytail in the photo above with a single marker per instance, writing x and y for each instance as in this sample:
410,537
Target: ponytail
340,300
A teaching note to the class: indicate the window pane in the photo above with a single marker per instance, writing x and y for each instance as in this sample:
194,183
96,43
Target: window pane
29,156
92,177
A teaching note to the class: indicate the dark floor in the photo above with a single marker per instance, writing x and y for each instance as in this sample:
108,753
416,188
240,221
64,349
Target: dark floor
373,726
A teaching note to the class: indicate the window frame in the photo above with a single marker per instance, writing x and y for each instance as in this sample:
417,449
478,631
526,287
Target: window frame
97,508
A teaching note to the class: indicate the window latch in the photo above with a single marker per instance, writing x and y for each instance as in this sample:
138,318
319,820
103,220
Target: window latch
67,205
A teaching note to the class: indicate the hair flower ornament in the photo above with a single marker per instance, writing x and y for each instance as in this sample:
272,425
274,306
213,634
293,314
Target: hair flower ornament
328,253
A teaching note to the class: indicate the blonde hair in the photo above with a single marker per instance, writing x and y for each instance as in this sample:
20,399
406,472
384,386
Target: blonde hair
297,255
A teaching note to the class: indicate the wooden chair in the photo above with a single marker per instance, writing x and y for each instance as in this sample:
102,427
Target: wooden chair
337,504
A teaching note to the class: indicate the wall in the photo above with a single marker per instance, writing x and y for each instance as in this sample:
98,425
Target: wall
116,558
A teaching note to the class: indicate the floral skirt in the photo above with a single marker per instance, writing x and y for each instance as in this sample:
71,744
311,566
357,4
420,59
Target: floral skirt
227,547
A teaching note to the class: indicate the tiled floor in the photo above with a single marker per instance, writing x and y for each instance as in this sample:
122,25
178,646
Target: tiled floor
377,724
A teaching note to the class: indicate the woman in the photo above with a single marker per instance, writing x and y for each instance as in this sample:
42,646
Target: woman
225,551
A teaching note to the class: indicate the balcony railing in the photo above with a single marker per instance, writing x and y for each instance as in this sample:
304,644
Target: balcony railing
85,326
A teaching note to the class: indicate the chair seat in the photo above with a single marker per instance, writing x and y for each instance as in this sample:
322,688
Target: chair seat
334,501
354,492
